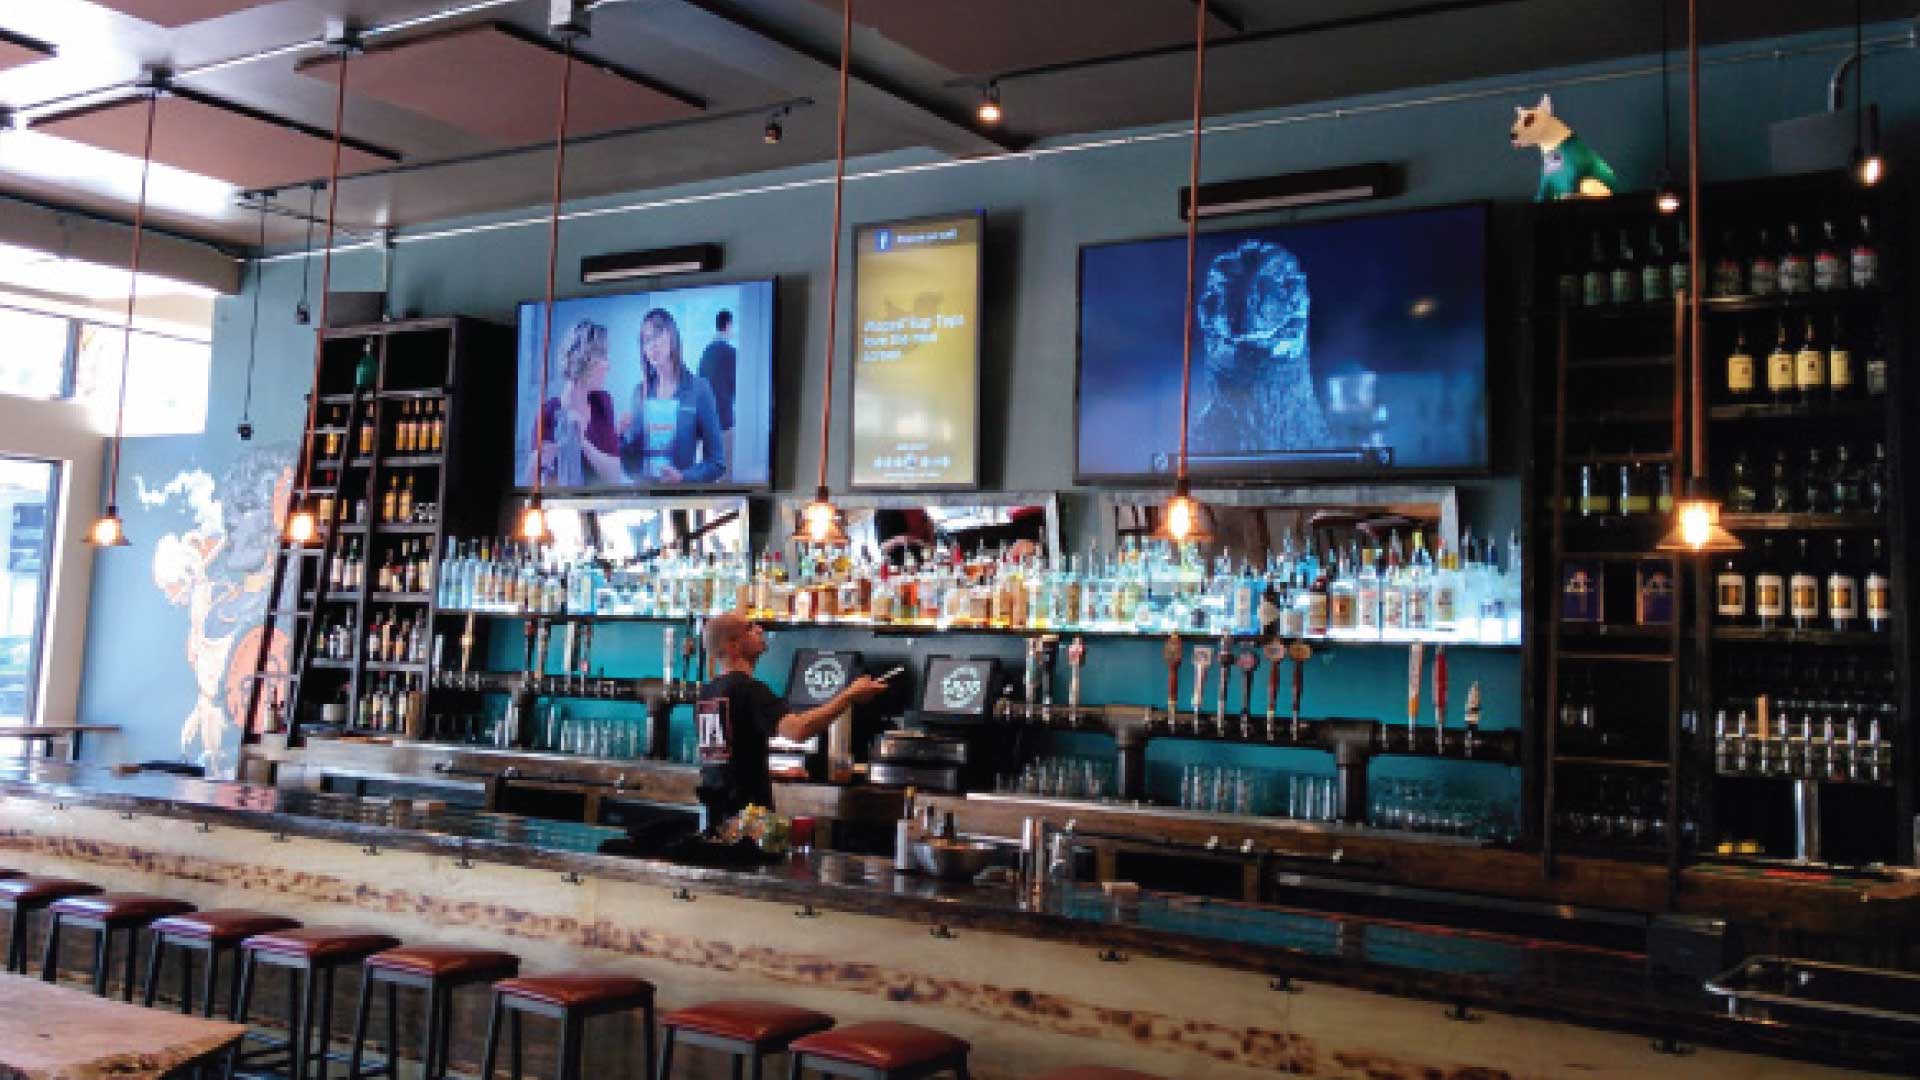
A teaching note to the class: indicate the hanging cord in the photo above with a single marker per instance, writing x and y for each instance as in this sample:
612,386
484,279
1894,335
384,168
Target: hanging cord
553,272
1859,86
833,257
133,291
1193,230
303,312
1666,99
253,339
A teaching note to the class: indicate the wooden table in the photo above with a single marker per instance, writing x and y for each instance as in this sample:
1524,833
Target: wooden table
49,1032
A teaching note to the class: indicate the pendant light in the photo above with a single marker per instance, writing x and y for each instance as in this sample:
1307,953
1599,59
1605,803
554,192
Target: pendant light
820,521
1869,168
1182,518
1696,515
533,520
1666,198
245,430
108,529
302,527
302,312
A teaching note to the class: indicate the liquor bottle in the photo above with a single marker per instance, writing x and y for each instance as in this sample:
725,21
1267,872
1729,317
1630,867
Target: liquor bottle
1843,589
1743,494
1810,367
1681,263
438,437
1343,598
1663,488
1653,271
1763,266
1594,285
403,503
1634,496
1816,483
366,368
1796,266
1730,593
1624,279
1729,272
1876,366
1803,590
1780,365
1839,363
1740,367
1829,260
1845,497
1769,588
1569,276
1368,594
1591,493
1875,490
364,442
1780,485
390,499
1879,590
1864,260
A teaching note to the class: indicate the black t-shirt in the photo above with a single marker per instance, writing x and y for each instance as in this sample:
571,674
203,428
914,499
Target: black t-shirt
717,366
733,718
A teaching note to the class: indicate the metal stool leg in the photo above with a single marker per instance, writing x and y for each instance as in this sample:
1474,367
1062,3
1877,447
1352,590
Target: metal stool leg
50,958
326,1019
152,988
243,983
795,1065
666,1055
647,1018
133,952
16,943
393,1027
493,1039
303,1019
513,1022
360,1024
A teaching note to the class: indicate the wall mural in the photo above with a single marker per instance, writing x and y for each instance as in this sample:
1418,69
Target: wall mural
219,568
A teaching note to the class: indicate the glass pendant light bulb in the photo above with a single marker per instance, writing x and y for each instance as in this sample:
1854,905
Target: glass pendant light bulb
533,522
301,527
108,530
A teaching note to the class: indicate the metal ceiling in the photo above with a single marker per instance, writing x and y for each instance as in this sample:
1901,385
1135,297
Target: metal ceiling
917,71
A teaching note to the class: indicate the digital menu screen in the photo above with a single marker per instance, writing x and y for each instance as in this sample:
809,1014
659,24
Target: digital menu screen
916,353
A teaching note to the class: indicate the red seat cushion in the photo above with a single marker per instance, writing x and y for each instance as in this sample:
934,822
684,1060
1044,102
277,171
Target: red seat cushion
29,890
323,943
1095,1072
749,1021
577,989
442,962
121,907
882,1044
222,925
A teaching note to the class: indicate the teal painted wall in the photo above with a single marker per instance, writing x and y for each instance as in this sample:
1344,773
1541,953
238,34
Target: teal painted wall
158,661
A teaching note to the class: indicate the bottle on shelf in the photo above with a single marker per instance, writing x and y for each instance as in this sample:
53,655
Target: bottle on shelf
1864,260
1780,494
1595,287
1843,589
1623,281
1830,272
1568,280
1810,367
1845,497
1740,368
1769,588
1763,266
1878,590
1839,363
1875,369
1679,264
1803,590
1743,492
1730,593
1653,270
365,439
1729,270
1816,483
1796,263
1780,366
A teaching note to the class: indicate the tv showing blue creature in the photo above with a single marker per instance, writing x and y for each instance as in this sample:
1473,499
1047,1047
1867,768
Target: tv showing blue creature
1352,348
670,389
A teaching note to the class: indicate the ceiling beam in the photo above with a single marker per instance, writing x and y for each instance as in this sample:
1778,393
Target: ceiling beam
960,119
96,238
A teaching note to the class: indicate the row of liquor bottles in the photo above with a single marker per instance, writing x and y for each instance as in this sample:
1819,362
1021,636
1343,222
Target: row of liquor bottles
1832,721
1808,368
421,428
406,568
396,705
1402,586
392,637
397,504
1644,264
1805,591
1823,483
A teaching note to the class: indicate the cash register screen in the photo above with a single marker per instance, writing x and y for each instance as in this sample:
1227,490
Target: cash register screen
817,675
959,687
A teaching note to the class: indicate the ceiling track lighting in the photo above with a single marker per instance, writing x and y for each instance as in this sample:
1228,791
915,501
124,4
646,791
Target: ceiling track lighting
301,525
1183,520
570,25
989,111
776,126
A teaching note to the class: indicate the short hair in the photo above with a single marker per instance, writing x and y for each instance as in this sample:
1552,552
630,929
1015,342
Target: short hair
723,632
584,341
723,321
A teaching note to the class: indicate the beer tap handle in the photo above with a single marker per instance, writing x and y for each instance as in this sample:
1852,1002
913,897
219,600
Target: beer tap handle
1440,699
1172,653
667,654
1202,661
1301,653
1076,656
1276,653
1415,655
1226,681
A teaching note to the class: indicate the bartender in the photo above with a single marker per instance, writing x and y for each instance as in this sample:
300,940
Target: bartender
736,714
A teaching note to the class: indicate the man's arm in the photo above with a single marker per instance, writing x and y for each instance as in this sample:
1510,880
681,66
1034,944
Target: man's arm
801,726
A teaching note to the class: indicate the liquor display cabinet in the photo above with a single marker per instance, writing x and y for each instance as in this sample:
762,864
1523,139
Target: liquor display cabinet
1744,707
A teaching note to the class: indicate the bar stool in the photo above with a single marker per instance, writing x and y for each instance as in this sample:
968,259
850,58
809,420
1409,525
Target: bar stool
572,998
211,932
24,894
105,914
1096,1072
311,956
438,971
880,1050
745,1030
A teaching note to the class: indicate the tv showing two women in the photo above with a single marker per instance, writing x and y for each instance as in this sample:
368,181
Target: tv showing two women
664,389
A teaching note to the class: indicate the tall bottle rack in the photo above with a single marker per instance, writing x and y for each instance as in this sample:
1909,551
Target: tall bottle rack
455,367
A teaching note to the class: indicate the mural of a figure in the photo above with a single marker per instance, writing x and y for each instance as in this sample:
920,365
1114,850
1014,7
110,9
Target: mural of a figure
1254,379
219,568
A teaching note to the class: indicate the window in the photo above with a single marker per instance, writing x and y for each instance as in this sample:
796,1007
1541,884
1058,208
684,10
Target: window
28,513
33,358
166,380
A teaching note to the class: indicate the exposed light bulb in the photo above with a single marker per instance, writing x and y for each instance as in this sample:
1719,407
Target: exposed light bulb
989,112
108,530
1666,200
1696,524
533,523
301,527
1869,169
773,133
818,520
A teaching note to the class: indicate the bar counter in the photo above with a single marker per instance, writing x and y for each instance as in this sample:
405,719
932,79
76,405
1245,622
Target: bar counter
1205,987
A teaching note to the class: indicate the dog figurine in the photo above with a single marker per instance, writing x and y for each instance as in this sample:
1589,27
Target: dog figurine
1569,168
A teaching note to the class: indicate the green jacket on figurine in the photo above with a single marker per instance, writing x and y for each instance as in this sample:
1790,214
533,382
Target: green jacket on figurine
1569,168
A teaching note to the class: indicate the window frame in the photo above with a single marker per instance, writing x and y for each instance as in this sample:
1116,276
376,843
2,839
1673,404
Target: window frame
50,554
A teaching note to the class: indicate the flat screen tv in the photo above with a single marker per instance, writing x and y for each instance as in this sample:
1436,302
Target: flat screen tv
666,390
1353,348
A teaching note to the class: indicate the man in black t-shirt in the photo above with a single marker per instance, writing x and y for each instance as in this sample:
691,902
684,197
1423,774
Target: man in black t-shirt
718,365
736,714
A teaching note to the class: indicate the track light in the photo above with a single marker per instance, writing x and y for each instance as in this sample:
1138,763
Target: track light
776,129
989,112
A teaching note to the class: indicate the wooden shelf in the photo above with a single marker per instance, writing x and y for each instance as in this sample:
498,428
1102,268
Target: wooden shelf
1617,363
1597,657
324,664
412,461
1757,522
1846,409
1615,631
1607,762
1801,302
1656,457
408,528
400,597
1782,635
397,667
428,394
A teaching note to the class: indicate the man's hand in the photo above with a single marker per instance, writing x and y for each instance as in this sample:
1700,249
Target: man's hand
866,688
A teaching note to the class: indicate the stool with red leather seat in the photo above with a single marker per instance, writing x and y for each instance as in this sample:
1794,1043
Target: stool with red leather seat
24,894
748,1031
880,1050
572,998
1096,1072
437,970
311,955
214,933
106,914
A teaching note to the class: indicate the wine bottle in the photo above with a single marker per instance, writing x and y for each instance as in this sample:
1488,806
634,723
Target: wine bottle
1740,367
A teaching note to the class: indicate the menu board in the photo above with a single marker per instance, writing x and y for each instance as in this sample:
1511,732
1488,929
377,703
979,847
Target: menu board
916,353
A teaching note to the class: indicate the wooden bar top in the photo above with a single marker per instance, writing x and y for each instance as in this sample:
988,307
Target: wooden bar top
50,1032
